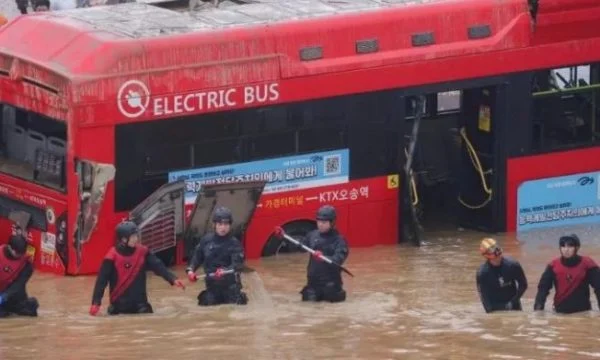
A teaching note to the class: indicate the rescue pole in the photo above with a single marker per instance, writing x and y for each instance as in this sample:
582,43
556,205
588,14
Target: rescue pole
245,269
414,234
281,234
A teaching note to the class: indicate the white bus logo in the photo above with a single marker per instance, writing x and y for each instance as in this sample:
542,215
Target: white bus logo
133,98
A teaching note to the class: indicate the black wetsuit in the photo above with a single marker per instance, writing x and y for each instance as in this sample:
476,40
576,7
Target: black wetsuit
214,252
501,287
571,279
134,299
14,297
324,281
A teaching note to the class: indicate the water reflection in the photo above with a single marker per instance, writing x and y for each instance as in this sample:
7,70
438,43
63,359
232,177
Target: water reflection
409,303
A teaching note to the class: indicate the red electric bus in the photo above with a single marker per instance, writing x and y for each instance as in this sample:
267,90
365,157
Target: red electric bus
396,112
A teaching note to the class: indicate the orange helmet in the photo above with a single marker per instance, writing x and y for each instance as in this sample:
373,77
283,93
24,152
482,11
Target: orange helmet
3,20
489,248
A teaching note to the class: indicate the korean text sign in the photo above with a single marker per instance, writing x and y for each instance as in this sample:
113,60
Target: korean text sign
282,174
559,201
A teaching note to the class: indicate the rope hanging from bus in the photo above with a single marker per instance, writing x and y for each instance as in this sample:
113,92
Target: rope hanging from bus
479,168
414,194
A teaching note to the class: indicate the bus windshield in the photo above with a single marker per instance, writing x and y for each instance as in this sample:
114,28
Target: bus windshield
33,147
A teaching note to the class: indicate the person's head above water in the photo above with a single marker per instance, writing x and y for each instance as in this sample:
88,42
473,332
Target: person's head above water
127,234
569,245
222,219
325,217
490,250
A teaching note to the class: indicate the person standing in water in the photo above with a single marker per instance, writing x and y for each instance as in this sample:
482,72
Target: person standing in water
324,281
501,281
124,270
571,275
222,257
15,271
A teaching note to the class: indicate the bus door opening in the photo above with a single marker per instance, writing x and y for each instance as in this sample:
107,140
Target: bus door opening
477,139
450,184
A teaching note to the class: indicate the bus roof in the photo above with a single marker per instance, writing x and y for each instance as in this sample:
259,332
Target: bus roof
117,39
85,54
139,20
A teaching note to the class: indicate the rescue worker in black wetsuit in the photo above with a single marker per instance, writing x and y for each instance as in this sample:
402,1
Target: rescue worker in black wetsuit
325,280
501,281
571,275
15,271
124,270
217,252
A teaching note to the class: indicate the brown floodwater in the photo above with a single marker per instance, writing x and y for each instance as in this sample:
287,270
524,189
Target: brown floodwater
404,303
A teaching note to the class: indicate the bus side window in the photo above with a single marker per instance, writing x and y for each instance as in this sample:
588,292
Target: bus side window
266,133
275,144
566,107
147,151
448,101
322,139
217,152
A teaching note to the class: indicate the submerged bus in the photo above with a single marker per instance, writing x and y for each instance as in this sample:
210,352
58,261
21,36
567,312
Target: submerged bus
396,112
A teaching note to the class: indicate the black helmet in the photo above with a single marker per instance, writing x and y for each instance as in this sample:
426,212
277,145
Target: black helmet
571,239
125,230
326,213
222,214
18,243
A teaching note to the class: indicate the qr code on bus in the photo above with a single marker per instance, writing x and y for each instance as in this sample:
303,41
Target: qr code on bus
332,165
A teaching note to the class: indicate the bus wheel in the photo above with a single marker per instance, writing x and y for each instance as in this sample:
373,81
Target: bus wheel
296,229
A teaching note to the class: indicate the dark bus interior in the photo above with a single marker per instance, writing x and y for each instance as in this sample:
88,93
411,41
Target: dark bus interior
436,159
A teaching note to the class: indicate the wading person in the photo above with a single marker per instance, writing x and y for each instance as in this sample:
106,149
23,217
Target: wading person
571,275
15,271
501,281
124,270
324,281
222,258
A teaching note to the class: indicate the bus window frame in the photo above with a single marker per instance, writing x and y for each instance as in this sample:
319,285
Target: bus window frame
350,121
593,88
62,190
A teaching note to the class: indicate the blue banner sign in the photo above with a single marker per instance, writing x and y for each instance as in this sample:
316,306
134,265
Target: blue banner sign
282,174
559,201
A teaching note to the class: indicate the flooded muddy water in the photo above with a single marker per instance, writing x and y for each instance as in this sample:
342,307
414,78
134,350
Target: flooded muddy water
404,303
